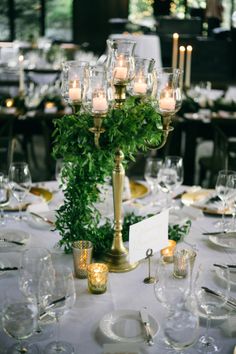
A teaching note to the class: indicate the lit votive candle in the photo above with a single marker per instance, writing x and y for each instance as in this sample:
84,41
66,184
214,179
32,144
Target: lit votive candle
50,107
99,102
121,69
9,102
168,252
167,103
74,91
140,87
82,256
97,278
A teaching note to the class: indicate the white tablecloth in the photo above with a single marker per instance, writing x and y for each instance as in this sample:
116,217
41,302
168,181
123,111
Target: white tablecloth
147,46
125,291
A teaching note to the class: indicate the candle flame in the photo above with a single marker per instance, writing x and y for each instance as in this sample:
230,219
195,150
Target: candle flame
182,48
21,58
175,35
189,48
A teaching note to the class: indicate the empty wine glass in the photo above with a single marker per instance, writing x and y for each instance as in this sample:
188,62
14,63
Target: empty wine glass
205,288
170,176
63,289
4,197
152,166
19,182
181,325
224,192
36,277
19,321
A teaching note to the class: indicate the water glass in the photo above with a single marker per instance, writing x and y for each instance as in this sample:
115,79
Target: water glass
4,197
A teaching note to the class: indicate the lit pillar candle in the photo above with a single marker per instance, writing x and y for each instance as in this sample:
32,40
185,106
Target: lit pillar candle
167,102
175,50
181,62
121,68
140,86
99,102
188,66
74,91
21,74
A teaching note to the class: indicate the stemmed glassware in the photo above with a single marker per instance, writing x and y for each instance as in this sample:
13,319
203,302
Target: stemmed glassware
170,176
204,287
19,321
152,167
36,277
62,288
4,197
224,191
19,182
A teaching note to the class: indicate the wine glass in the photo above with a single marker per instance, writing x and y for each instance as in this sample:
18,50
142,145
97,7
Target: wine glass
19,182
152,166
232,186
63,289
205,288
170,176
224,192
36,277
181,325
4,197
19,321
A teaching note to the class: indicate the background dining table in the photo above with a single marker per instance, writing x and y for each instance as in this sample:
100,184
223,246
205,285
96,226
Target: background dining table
125,291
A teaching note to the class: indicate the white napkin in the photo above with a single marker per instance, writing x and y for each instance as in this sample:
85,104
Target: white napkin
38,207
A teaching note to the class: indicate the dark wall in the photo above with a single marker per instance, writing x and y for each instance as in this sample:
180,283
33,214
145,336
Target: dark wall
90,20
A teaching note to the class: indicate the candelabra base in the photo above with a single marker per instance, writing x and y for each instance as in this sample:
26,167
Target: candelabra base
118,262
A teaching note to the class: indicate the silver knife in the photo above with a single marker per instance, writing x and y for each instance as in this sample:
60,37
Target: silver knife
220,233
11,241
232,267
229,301
146,325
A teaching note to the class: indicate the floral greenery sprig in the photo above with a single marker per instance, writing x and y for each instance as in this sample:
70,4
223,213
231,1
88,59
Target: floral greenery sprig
130,128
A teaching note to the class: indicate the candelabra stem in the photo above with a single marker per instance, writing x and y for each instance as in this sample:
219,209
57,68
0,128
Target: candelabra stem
120,95
117,258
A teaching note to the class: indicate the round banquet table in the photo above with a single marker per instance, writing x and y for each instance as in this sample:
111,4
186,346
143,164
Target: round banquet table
80,325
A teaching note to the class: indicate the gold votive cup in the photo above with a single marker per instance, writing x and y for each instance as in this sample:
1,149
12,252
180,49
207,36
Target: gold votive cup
82,256
183,262
97,278
168,252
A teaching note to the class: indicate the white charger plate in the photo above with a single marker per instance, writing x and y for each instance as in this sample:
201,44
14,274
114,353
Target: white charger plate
13,235
126,326
225,241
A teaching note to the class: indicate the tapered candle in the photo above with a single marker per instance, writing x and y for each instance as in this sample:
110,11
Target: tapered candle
21,75
188,66
181,62
175,50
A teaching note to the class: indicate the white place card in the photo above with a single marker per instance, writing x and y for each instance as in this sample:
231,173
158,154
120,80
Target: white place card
121,348
151,233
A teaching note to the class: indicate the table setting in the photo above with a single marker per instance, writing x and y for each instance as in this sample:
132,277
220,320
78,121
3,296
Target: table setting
111,279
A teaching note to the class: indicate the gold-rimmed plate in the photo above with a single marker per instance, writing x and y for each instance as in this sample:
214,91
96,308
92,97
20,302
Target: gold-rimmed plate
42,193
201,199
138,189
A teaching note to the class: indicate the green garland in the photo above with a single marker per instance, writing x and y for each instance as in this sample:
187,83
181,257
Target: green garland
130,128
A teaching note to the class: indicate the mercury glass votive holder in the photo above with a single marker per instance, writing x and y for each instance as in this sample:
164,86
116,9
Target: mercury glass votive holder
82,256
168,252
183,262
97,278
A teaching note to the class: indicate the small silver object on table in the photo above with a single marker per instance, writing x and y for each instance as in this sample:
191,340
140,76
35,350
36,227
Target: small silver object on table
146,325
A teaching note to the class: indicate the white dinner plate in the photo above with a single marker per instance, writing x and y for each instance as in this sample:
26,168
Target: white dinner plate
226,241
220,274
12,235
126,326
